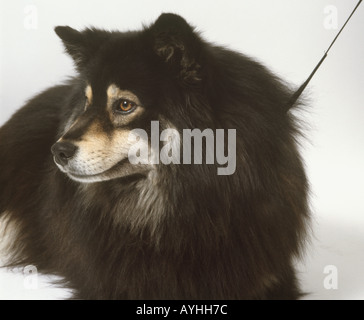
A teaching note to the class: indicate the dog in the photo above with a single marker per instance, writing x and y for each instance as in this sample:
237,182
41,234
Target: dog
76,201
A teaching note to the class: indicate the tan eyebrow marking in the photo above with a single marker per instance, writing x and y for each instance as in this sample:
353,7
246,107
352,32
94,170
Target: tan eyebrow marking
114,92
88,93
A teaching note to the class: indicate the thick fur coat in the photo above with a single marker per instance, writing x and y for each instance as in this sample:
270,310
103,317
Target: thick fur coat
177,231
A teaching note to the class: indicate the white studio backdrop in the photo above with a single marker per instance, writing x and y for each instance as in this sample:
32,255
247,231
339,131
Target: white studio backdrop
288,36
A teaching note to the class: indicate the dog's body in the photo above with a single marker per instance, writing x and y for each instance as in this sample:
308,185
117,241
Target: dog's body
114,230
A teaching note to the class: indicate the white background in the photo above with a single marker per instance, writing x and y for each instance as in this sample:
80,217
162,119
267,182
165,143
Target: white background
289,36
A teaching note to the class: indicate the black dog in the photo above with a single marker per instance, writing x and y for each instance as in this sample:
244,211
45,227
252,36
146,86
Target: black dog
76,206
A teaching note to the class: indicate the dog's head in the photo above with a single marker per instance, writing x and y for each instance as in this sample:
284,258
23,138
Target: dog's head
125,81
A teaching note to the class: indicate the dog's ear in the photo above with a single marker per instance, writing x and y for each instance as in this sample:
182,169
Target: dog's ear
178,45
81,46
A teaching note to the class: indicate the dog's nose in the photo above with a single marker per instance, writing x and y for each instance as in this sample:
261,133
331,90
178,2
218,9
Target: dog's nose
63,151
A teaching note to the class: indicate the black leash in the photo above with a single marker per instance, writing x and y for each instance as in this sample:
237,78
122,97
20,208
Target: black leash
298,93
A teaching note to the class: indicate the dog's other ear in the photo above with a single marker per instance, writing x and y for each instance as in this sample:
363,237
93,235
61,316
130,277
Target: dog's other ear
81,46
178,45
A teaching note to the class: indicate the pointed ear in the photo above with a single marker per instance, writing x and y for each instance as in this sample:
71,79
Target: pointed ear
178,45
81,46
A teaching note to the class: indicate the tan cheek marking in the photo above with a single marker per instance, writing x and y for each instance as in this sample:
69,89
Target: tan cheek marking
95,128
119,144
108,150
120,140
94,138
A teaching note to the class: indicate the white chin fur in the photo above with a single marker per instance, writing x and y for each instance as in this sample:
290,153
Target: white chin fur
117,171
90,179
97,177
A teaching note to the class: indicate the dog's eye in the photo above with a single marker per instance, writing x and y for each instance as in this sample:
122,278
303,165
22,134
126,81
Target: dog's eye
125,106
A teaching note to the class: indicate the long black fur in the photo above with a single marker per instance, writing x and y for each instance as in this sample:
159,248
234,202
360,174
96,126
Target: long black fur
198,235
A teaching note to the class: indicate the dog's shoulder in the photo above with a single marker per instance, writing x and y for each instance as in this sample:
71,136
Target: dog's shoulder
26,139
